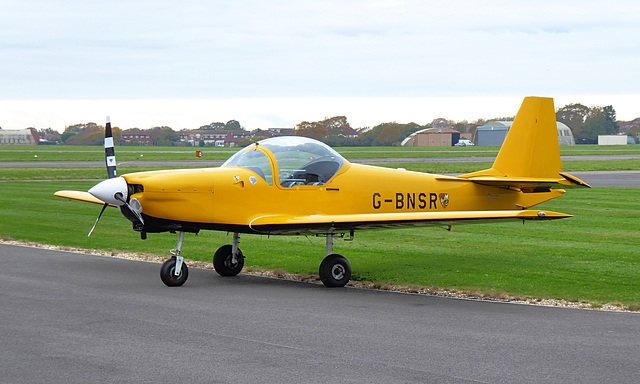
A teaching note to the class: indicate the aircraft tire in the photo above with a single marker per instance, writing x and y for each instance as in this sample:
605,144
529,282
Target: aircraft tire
222,261
167,273
335,271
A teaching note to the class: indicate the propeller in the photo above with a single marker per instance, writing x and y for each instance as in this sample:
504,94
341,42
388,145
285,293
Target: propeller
114,189
110,159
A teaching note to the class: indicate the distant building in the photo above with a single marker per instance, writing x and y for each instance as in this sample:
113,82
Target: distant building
565,136
27,136
259,134
213,138
493,133
612,140
432,137
136,135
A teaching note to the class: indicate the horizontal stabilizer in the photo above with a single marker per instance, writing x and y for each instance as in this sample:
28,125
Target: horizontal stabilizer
323,223
527,183
81,196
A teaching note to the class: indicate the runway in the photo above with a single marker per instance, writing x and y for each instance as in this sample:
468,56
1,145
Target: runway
78,318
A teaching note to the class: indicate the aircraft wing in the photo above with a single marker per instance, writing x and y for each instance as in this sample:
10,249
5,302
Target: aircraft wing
81,196
321,223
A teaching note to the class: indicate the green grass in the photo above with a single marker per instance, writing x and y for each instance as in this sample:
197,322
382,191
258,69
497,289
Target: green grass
69,173
130,153
591,257
121,156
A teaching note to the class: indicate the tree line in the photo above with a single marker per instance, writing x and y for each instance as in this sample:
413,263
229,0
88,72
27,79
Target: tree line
585,122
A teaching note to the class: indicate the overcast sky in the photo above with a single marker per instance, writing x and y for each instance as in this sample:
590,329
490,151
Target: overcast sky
275,63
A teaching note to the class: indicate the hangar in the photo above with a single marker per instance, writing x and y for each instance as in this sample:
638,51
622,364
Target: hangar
19,137
493,133
432,137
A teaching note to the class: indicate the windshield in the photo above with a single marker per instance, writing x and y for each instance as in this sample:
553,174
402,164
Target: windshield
300,160
254,160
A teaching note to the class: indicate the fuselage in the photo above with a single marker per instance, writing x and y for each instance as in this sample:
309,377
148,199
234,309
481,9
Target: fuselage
231,197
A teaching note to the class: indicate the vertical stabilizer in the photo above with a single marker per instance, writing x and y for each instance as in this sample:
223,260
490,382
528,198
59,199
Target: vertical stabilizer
531,148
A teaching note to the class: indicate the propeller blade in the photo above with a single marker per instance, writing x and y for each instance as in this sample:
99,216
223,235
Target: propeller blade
98,219
109,152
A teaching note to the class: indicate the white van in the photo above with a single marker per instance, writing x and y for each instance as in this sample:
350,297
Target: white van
464,143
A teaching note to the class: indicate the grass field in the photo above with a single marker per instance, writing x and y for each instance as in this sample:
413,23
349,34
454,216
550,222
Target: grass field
592,257
95,153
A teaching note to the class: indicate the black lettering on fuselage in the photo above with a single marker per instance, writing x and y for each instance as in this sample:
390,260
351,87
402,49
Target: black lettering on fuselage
423,202
376,202
411,201
433,199
406,201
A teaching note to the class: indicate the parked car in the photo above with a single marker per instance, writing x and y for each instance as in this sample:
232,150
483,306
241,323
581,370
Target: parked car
463,143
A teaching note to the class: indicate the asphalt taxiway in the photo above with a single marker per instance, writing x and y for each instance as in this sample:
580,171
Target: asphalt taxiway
77,318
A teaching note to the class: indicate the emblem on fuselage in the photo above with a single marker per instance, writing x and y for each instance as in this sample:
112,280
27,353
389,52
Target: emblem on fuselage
444,200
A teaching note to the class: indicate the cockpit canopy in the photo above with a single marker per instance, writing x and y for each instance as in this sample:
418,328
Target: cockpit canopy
296,161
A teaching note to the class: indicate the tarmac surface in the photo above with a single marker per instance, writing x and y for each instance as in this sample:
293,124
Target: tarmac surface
77,318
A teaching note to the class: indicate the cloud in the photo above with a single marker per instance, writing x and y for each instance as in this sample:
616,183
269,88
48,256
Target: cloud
368,48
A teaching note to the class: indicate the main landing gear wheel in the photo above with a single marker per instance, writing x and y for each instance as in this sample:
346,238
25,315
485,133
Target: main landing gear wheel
335,271
168,276
223,261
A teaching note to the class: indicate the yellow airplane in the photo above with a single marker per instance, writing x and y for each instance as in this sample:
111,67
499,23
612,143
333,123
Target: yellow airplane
296,185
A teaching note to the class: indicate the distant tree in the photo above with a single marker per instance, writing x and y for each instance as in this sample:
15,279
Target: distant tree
321,130
315,130
338,141
88,134
599,121
631,128
388,134
213,127
164,136
337,125
66,135
462,126
574,116
50,135
233,125
442,123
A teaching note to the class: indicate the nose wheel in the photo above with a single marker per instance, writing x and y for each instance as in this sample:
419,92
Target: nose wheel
174,272
170,277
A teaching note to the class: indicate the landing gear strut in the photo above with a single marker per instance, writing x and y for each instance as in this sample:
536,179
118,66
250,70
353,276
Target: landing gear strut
335,270
174,272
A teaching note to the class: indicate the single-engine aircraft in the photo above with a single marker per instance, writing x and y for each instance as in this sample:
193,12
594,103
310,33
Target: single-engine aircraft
296,185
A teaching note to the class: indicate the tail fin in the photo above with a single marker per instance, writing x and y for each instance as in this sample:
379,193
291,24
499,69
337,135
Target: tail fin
530,153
